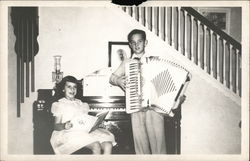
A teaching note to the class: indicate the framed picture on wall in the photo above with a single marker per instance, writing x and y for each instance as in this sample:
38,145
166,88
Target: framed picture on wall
118,51
220,17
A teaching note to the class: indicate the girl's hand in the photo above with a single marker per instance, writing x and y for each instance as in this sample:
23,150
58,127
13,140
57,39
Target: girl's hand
68,125
102,125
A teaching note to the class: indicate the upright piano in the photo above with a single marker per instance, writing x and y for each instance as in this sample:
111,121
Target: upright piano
101,96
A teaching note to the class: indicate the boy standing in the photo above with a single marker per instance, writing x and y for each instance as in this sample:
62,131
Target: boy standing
147,125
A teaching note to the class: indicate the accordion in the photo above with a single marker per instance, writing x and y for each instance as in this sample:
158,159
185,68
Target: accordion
154,82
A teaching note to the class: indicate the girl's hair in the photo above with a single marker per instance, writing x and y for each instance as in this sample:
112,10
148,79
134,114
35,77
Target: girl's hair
60,87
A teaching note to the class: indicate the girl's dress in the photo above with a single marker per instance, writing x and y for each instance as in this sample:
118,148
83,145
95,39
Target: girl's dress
69,141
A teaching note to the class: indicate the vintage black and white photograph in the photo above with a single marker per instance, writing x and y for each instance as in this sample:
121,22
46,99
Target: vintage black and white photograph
154,80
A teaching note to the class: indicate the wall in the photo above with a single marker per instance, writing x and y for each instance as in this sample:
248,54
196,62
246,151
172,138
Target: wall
210,120
81,36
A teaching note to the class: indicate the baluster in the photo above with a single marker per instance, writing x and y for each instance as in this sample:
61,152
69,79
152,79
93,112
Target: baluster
228,66
191,57
139,14
224,63
124,9
208,48
198,44
231,66
179,29
169,25
149,17
142,16
158,20
205,47
130,12
134,12
146,17
155,20
214,56
218,57
166,24
239,73
186,34
162,23
172,27
211,52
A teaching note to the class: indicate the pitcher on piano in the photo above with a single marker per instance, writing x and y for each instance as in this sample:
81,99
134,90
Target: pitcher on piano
147,123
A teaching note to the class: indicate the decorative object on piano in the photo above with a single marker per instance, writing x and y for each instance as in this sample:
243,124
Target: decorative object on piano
155,82
118,51
57,75
25,24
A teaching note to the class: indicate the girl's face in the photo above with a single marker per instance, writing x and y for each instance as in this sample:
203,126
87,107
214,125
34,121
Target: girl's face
70,90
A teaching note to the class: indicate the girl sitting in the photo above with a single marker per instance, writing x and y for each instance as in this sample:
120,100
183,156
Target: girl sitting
64,140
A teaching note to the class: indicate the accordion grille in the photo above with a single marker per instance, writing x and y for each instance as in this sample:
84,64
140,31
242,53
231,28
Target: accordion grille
163,83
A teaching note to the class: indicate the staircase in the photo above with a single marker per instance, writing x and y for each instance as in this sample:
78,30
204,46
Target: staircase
196,38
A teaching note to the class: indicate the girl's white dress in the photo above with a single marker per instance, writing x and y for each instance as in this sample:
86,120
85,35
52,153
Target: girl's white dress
69,141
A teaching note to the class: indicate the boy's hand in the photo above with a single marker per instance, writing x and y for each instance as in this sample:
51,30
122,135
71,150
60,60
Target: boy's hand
68,125
182,99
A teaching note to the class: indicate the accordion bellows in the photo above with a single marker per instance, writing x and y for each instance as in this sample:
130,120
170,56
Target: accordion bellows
154,82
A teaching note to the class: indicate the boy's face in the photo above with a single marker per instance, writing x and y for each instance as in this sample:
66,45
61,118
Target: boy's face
137,44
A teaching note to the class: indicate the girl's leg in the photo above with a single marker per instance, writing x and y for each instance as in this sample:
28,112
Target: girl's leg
95,147
107,147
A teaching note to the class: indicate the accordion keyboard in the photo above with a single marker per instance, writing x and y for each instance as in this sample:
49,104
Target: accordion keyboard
133,91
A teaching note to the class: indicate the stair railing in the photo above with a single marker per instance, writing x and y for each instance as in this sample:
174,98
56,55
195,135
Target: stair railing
192,35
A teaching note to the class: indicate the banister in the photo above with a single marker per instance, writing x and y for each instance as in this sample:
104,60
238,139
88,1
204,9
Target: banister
220,59
209,24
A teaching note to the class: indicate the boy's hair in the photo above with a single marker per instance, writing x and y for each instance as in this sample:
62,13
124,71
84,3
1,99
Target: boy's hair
136,31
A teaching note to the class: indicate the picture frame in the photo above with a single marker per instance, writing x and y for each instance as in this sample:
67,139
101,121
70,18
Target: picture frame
220,17
117,51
